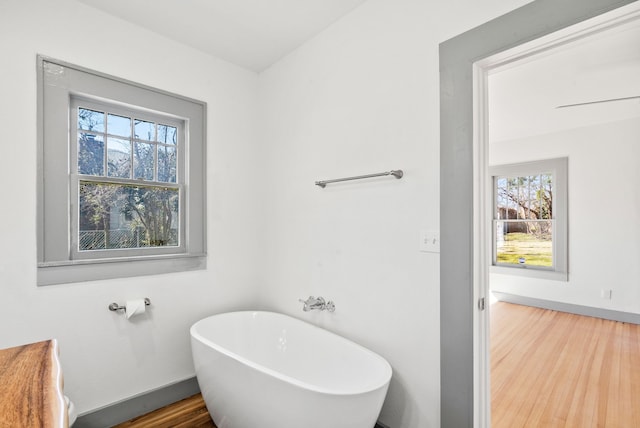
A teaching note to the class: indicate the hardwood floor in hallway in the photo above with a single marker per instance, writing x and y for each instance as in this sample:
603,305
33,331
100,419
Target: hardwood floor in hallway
554,369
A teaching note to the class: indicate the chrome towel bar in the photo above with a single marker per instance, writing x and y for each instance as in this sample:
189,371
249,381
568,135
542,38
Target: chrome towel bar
397,173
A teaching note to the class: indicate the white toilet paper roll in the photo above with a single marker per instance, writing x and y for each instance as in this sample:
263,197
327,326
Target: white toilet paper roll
135,307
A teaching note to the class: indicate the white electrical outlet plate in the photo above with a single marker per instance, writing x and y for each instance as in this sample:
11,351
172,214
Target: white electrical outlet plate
606,293
430,241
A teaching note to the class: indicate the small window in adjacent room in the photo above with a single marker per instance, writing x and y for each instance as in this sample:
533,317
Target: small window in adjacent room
121,177
530,219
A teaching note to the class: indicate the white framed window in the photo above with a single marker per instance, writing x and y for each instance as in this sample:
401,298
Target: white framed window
121,177
530,229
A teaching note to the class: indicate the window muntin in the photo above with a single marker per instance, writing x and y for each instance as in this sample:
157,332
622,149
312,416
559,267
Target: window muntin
134,149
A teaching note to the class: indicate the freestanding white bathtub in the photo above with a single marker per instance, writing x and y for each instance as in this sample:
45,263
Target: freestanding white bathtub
268,370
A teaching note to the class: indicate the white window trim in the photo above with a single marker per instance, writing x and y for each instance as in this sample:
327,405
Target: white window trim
559,168
58,83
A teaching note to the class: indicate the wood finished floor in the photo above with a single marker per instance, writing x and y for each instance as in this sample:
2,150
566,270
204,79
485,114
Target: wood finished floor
553,369
188,413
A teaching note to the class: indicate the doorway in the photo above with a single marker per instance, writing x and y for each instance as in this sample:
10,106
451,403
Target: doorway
464,275
576,97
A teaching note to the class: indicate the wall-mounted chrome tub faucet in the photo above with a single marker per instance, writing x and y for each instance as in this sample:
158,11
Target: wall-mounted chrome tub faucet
313,303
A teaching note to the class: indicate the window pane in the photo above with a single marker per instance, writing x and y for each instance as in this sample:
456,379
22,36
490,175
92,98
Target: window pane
524,197
167,134
90,154
546,196
118,125
524,243
167,164
114,216
145,130
119,157
143,161
501,198
90,120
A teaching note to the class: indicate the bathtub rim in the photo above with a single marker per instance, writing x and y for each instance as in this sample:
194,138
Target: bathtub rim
290,379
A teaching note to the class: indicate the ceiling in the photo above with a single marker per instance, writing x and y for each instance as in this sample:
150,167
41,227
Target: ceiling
250,33
524,99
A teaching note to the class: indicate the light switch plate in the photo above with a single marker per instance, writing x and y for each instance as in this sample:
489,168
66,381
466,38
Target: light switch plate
430,241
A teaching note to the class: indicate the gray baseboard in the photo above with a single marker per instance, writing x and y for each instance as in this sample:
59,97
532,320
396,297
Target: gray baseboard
589,311
137,406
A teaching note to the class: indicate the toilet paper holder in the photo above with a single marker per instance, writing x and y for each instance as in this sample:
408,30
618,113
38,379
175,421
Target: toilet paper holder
116,307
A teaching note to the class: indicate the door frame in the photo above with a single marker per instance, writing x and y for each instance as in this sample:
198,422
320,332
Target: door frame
465,62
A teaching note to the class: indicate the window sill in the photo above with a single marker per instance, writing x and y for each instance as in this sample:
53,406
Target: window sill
95,270
530,273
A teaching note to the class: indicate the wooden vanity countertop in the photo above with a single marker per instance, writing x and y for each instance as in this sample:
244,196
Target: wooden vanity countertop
31,387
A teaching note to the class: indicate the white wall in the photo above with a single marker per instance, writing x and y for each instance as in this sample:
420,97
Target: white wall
362,97
105,358
604,207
